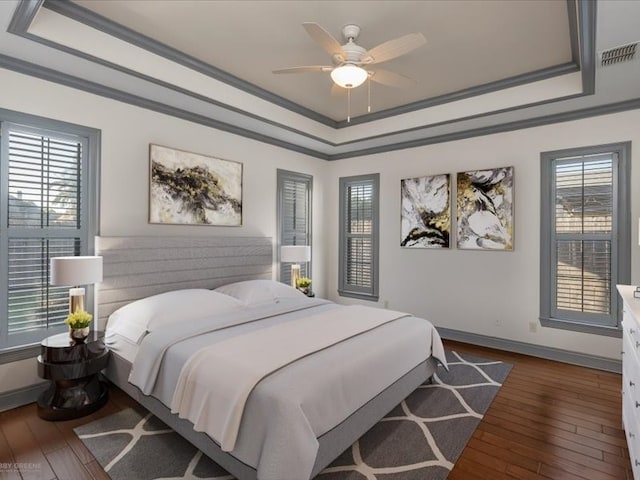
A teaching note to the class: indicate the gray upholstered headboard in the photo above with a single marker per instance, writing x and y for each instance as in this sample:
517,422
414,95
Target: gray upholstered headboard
136,267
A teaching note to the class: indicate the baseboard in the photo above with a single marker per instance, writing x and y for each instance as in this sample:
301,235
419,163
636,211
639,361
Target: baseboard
21,396
550,353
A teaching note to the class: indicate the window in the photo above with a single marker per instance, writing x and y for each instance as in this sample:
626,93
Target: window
585,237
45,212
294,217
358,263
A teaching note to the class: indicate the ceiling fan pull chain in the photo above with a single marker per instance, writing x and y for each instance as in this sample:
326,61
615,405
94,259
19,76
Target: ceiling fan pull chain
348,105
369,94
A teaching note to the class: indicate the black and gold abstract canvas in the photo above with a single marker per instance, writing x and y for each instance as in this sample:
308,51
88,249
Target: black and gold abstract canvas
426,218
193,189
485,209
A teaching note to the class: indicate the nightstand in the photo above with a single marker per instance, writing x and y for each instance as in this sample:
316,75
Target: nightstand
73,368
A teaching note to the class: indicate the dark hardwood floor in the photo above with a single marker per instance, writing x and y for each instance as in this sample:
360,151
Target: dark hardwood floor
549,421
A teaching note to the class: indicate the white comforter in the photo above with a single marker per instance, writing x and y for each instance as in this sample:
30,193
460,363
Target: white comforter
289,409
215,383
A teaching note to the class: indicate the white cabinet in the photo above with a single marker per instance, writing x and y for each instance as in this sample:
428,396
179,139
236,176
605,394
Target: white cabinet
631,374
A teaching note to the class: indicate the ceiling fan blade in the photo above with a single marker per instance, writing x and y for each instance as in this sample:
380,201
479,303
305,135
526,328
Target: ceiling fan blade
390,79
309,69
324,39
396,47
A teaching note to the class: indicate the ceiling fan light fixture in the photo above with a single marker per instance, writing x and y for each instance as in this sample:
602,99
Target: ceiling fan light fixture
349,76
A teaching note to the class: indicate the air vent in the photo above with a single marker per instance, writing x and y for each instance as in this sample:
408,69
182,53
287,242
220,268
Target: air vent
618,54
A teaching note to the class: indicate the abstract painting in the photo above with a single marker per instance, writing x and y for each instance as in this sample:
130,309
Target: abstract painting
485,209
192,189
426,218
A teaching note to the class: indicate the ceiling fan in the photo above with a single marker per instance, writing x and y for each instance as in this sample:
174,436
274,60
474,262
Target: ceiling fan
350,59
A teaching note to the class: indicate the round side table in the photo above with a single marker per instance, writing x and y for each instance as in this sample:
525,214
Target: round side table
73,368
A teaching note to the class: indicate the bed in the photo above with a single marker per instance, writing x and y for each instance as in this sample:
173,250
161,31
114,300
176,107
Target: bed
298,403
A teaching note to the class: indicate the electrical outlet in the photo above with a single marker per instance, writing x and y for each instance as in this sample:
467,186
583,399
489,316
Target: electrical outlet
533,327
385,304
497,322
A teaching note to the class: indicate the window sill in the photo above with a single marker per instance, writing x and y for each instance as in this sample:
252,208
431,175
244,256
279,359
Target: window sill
16,354
604,330
361,296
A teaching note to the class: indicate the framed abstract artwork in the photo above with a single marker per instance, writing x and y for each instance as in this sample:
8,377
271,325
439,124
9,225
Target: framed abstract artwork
485,209
425,212
193,189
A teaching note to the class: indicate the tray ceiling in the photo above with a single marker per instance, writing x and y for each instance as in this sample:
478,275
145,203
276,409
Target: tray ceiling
469,43
487,66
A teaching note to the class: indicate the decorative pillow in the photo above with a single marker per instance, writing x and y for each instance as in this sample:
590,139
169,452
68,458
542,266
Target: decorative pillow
253,292
137,318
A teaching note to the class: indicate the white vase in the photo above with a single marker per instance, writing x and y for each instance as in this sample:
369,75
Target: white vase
79,335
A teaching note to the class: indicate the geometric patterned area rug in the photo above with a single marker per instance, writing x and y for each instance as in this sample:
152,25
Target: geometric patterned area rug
420,439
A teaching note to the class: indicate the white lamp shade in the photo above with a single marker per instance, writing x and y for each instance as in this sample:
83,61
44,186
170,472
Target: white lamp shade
295,253
349,76
76,270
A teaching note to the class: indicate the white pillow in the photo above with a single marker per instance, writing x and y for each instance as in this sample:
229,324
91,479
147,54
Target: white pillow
135,319
253,292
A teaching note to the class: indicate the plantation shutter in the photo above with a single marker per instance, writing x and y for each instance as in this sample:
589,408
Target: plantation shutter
584,237
358,236
44,216
294,217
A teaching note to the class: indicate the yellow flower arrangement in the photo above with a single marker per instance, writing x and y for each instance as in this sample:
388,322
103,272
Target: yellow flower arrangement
303,283
78,319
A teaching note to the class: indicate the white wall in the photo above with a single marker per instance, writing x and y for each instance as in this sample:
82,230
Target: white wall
462,290
473,291
127,132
